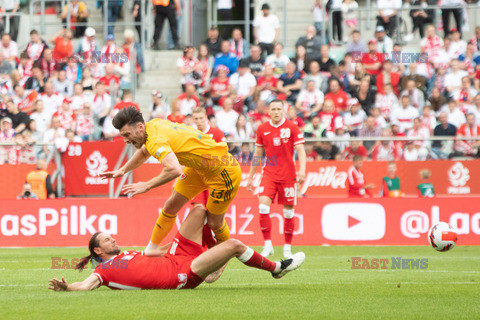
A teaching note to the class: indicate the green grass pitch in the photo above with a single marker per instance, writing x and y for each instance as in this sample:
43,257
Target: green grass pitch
325,287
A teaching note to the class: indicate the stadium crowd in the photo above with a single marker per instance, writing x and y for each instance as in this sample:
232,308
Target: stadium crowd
376,89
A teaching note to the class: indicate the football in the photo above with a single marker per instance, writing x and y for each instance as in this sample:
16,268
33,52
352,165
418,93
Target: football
442,237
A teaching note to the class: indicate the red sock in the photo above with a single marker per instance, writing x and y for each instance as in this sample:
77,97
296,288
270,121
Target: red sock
288,227
208,239
266,226
255,260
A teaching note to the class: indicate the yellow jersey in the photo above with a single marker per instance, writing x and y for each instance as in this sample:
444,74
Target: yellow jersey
192,147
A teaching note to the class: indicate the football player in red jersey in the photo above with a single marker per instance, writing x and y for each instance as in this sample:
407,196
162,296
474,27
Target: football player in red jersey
183,264
201,122
279,138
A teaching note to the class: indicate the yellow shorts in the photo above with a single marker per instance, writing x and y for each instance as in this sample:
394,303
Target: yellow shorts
222,187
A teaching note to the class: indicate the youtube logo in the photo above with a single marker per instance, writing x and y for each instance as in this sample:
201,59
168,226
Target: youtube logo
353,221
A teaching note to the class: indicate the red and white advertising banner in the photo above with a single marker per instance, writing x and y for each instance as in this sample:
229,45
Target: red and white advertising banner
83,163
329,178
71,222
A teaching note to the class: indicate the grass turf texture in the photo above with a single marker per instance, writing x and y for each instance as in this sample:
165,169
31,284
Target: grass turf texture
325,287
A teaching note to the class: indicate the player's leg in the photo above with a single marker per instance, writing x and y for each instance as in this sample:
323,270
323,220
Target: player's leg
213,259
201,200
222,190
267,195
287,196
187,186
264,203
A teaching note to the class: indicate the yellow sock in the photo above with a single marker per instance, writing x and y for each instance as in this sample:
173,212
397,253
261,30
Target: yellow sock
222,234
162,227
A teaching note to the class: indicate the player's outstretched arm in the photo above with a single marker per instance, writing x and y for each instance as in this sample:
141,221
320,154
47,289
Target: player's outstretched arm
88,284
138,158
171,170
256,155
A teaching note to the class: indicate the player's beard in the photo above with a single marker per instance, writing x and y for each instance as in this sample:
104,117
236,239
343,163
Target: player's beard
115,251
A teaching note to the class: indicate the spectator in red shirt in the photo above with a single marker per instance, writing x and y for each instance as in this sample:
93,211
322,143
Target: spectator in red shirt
357,188
387,76
219,85
329,116
63,45
337,95
109,77
267,84
468,130
372,60
176,115
292,116
66,115
355,149
127,101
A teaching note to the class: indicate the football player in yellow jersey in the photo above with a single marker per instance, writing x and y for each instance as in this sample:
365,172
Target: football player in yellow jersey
208,165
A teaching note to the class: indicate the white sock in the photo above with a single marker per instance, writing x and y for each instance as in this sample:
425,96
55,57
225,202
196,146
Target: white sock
287,247
268,243
277,267
246,255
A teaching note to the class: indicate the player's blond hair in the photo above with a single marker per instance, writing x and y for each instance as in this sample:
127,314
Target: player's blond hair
425,173
199,110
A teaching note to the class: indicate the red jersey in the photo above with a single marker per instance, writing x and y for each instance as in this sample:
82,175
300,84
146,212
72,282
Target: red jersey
328,119
67,118
361,151
124,104
262,82
179,118
216,134
339,99
279,143
218,86
27,103
356,183
368,59
133,270
106,80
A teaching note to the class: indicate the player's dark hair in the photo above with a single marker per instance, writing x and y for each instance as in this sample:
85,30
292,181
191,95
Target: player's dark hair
129,115
92,244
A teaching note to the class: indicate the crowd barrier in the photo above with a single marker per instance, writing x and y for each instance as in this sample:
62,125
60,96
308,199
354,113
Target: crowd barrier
82,163
71,222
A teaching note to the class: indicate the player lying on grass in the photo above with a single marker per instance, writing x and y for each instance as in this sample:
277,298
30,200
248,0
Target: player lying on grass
183,265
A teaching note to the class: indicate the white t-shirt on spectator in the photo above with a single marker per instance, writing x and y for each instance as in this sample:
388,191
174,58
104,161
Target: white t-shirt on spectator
224,4
454,79
10,51
266,27
356,120
42,120
243,84
278,62
476,111
187,105
410,155
77,102
226,121
455,117
51,134
101,103
310,98
404,117
51,103
383,4
458,47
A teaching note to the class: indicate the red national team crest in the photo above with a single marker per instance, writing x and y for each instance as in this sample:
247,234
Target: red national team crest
183,176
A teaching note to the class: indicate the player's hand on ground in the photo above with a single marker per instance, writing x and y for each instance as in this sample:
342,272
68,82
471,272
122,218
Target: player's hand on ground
58,285
249,184
112,174
135,188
